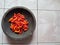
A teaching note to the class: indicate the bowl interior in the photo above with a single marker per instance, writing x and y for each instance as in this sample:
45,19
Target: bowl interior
6,25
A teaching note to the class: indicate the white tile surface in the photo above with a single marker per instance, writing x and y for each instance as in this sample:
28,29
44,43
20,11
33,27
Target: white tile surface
47,33
48,26
1,3
47,16
49,4
31,4
49,44
32,40
57,34
10,4
0,44
20,44
1,14
58,18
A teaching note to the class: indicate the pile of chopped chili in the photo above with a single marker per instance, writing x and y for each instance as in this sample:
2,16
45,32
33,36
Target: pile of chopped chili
18,23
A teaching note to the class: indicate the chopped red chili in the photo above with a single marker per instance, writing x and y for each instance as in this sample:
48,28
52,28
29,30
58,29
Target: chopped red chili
18,23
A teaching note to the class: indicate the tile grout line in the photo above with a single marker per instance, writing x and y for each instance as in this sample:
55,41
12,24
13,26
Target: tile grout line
34,9
48,42
4,4
37,22
47,10
18,43
9,8
3,12
2,31
2,37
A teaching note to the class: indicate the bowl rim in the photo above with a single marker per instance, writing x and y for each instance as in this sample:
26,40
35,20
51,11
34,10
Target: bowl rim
15,8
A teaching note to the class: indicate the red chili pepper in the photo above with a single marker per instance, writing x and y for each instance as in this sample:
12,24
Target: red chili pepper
25,27
18,23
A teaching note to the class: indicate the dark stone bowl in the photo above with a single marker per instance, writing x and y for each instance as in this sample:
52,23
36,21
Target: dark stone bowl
29,16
